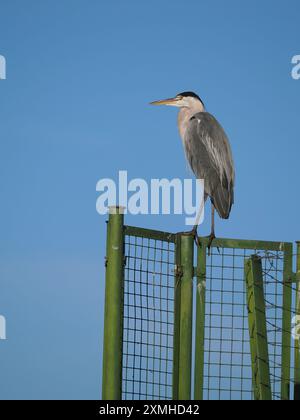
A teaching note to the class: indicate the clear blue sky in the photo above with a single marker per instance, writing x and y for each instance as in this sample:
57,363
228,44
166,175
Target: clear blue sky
74,109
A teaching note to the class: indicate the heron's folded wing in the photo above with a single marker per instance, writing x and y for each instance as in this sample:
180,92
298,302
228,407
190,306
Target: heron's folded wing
209,154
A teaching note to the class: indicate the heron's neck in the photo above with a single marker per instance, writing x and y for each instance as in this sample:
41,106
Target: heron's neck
185,114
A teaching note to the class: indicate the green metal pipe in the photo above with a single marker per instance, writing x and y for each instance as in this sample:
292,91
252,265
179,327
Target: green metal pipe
186,317
177,298
200,322
150,233
113,316
286,322
245,244
296,331
257,329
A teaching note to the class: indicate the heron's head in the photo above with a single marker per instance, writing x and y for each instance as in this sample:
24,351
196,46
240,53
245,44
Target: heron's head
182,100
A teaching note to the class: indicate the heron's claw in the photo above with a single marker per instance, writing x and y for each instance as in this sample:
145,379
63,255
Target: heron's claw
196,237
211,237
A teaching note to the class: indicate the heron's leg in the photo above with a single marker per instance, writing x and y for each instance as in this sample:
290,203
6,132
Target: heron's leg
194,231
195,235
212,235
195,228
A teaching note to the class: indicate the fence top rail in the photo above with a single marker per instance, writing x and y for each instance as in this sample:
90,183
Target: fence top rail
248,244
217,243
150,234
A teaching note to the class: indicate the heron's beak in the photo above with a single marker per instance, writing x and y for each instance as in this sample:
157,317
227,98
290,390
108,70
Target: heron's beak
171,102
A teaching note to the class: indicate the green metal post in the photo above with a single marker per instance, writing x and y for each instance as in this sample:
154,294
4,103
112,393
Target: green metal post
177,298
200,321
113,324
286,322
258,329
186,317
296,332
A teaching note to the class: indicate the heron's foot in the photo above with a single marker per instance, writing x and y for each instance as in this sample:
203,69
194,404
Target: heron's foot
211,237
194,232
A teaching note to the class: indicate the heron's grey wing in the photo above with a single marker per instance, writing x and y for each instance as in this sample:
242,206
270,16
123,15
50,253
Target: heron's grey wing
209,154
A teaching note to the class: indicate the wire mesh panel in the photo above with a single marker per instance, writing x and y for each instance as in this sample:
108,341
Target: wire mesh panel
227,357
149,317
148,320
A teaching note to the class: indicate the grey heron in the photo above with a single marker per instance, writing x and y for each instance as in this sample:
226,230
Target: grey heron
208,152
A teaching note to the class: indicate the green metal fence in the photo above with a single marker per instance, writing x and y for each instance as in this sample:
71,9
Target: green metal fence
184,323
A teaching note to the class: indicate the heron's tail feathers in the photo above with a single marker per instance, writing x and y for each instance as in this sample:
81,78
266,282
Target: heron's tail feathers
222,200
